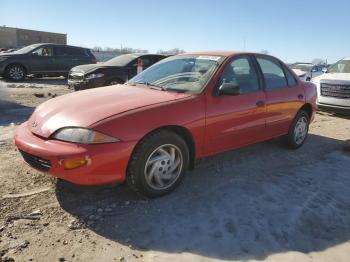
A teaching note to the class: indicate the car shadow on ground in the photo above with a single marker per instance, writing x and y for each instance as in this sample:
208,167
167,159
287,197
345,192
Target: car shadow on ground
345,114
244,204
13,113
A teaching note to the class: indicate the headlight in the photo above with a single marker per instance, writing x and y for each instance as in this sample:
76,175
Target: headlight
83,136
2,59
92,76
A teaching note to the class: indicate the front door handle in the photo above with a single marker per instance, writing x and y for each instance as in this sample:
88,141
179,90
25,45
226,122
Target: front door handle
300,96
260,103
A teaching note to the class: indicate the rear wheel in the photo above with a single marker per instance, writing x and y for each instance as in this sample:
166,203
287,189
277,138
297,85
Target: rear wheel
15,72
298,131
158,164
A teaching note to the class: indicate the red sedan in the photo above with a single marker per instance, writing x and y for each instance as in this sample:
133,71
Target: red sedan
152,129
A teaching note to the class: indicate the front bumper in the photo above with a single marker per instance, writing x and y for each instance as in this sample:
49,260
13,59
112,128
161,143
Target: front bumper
85,84
108,161
334,108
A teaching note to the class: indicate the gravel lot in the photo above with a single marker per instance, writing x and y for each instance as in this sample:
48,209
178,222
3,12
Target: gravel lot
262,202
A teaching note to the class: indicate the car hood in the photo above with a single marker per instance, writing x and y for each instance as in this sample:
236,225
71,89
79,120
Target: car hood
9,55
332,77
89,68
84,108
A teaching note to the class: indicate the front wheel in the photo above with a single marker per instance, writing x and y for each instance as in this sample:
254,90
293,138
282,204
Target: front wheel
114,82
298,131
15,72
158,164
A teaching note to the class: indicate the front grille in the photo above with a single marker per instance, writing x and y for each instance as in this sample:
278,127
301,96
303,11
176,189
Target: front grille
75,76
335,90
36,162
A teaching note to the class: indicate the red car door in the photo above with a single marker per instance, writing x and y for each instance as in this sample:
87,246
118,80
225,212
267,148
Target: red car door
234,121
284,97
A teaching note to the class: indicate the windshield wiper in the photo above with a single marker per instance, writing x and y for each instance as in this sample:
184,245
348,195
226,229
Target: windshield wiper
150,85
176,90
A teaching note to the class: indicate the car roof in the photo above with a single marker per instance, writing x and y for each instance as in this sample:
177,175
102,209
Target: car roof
54,44
223,53
143,54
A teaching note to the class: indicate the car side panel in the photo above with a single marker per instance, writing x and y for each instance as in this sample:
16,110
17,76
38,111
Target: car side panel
282,106
310,92
234,121
134,125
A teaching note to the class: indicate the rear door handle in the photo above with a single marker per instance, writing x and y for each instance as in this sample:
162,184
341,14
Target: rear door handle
260,103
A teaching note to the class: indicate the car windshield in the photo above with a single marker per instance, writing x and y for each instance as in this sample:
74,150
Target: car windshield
342,66
180,73
121,60
26,49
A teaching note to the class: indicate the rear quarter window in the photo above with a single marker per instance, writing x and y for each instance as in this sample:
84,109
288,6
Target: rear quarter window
290,78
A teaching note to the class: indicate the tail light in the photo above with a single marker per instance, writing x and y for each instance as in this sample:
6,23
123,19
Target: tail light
93,60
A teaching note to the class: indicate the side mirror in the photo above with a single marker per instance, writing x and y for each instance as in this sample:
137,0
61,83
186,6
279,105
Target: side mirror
325,70
229,89
35,54
313,70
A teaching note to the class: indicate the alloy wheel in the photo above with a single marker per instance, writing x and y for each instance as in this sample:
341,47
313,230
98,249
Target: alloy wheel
300,130
16,73
163,167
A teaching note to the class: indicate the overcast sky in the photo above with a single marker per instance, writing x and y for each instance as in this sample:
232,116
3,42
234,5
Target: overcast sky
291,30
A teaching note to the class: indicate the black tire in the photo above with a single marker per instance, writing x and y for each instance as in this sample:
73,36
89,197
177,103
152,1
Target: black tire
115,81
290,139
77,88
136,172
15,72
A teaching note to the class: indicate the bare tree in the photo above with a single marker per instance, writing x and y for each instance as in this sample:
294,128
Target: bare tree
318,61
173,51
97,48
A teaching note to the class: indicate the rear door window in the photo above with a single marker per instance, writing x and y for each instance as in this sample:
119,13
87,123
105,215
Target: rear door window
75,51
290,78
61,51
273,73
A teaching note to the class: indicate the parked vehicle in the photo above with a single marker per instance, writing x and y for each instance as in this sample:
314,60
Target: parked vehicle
152,129
301,69
333,87
314,71
306,71
114,71
43,59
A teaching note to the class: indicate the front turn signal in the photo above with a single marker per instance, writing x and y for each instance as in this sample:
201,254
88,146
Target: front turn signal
74,163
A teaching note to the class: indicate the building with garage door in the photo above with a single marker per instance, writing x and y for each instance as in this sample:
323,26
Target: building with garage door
11,37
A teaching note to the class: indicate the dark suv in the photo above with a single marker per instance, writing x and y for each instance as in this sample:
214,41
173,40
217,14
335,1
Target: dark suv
43,59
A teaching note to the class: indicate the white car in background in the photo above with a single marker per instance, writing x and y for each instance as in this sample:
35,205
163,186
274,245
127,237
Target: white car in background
307,71
333,87
301,69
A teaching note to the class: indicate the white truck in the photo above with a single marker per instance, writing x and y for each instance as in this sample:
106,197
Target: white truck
333,87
